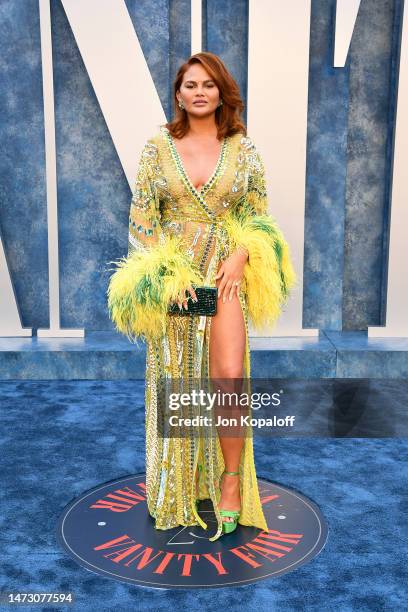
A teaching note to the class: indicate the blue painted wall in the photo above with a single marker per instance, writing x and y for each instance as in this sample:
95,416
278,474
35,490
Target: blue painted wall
350,132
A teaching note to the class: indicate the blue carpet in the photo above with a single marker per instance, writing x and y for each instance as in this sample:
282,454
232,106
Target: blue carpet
60,438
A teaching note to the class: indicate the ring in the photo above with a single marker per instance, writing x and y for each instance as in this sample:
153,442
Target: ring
237,282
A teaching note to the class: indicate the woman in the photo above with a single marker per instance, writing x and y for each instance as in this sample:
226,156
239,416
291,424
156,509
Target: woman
199,216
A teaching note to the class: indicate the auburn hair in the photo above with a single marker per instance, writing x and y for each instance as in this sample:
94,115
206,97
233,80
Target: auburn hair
228,115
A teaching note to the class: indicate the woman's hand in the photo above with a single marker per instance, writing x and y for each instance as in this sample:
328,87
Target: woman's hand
231,271
183,302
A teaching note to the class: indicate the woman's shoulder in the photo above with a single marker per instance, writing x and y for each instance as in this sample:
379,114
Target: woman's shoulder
247,147
252,155
243,144
156,141
247,142
155,137
150,147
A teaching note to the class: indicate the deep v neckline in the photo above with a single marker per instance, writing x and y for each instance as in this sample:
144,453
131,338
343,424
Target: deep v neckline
179,163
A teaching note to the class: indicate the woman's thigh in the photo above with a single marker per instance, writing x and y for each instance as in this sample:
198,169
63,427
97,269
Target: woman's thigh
227,339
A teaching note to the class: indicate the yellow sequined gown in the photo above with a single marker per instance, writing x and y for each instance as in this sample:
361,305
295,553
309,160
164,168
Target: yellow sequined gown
166,207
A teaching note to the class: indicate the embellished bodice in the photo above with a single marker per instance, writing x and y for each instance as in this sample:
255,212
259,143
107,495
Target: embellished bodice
179,208
180,199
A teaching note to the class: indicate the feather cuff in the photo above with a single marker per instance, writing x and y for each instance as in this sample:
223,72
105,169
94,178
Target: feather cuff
268,273
144,283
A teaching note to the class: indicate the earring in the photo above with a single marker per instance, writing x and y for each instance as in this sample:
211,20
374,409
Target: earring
180,103
220,103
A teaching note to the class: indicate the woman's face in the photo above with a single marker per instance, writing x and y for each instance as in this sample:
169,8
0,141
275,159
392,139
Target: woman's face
198,86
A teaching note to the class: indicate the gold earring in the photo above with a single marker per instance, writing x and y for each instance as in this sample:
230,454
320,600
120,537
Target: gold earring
180,103
220,103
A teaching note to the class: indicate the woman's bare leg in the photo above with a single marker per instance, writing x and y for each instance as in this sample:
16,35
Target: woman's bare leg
227,348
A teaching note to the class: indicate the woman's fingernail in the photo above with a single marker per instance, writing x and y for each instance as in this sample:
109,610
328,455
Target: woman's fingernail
223,300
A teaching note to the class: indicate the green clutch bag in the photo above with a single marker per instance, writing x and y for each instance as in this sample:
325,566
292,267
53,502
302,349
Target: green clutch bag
206,303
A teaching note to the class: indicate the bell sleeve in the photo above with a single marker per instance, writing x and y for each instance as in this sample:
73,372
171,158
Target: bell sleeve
157,268
268,273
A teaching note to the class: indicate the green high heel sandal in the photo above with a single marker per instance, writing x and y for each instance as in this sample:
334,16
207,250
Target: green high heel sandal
230,526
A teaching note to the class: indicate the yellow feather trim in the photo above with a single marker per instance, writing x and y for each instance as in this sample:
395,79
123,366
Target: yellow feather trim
269,275
144,284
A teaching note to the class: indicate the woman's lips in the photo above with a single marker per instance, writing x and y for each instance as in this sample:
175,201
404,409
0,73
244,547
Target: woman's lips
201,102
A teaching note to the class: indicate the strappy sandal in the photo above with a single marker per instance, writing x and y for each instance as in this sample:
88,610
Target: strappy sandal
230,526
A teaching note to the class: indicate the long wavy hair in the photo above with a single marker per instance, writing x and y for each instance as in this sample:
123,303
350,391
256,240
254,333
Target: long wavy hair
228,115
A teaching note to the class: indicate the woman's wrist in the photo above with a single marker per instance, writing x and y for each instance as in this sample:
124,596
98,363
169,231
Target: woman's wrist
241,249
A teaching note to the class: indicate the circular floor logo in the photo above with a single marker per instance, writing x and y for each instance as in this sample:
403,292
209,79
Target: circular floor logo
109,531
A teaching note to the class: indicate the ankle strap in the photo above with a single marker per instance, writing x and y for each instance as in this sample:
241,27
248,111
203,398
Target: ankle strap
230,473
